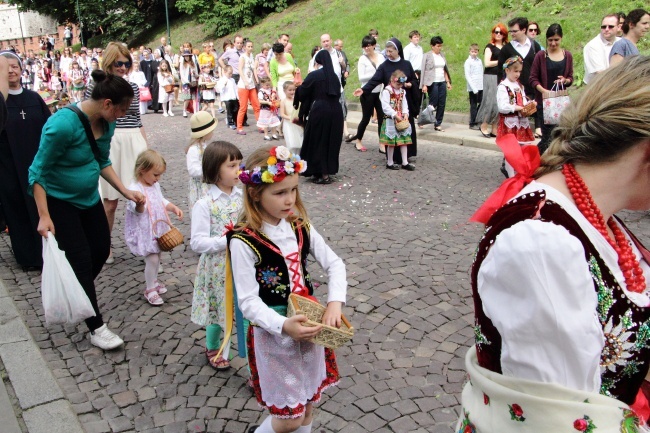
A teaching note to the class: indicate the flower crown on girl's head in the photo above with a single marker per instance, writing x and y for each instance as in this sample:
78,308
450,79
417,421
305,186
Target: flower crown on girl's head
281,163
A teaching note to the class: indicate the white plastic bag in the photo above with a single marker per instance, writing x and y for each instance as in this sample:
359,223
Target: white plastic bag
64,300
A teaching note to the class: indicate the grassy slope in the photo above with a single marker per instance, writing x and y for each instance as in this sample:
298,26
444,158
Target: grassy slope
459,22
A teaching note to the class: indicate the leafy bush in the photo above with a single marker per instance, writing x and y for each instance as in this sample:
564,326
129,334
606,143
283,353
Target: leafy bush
229,15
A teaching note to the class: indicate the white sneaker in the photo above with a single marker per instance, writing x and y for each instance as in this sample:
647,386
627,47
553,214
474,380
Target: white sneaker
165,114
105,339
170,113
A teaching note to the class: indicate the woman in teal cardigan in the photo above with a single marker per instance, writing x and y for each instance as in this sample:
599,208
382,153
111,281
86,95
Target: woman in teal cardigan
64,181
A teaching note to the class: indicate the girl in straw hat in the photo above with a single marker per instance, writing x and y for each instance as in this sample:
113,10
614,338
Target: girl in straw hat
202,125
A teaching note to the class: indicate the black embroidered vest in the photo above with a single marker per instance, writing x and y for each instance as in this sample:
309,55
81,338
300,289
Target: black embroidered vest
271,271
626,354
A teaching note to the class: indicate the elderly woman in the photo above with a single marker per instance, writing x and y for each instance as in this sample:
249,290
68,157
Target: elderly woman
129,139
27,113
63,179
559,283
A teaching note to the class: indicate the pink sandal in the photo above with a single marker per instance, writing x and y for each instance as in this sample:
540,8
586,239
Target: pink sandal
220,364
160,288
152,297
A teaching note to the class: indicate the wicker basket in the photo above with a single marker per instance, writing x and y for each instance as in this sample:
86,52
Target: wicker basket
529,109
209,85
402,125
330,337
169,240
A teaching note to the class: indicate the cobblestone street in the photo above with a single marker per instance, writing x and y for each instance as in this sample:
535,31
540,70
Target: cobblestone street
407,246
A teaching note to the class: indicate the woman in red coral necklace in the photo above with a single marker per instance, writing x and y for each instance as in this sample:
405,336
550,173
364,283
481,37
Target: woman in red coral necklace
559,283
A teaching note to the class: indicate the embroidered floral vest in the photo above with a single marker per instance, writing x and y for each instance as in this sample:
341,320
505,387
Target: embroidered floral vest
271,271
625,356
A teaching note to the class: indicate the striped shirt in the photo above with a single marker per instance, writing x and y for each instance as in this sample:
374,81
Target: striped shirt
132,117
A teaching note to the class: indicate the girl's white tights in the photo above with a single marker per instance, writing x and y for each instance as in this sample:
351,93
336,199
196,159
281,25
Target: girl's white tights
151,263
266,427
403,150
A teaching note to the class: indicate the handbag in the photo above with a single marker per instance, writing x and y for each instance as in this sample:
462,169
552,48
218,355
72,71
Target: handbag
427,114
554,103
145,94
169,88
64,300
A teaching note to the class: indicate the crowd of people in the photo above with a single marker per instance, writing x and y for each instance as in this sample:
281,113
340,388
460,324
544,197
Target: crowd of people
596,162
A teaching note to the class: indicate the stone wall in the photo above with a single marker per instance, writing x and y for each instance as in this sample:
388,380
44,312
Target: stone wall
34,26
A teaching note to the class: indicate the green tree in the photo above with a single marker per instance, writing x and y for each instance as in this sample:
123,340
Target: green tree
228,16
116,19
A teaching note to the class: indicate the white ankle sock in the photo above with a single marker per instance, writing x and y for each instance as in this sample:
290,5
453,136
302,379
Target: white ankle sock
266,426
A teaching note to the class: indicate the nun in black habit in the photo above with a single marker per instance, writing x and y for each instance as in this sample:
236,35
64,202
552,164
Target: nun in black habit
322,115
26,115
394,61
149,66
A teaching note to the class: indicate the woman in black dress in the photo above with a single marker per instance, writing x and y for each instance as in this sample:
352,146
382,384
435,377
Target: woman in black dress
318,97
394,61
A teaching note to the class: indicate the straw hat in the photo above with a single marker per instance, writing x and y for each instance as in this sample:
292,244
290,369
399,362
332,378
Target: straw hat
202,123
49,99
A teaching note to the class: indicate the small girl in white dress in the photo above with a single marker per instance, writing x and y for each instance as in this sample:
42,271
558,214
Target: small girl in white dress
269,104
139,230
211,214
165,78
293,133
202,125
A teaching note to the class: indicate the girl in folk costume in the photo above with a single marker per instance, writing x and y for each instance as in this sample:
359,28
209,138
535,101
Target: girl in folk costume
78,82
141,223
269,104
560,285
211,214
268,250
165,78
293,133
207,83
511,99
395,107
202,124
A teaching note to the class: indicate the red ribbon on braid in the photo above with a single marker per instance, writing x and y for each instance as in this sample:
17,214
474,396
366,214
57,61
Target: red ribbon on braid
525,160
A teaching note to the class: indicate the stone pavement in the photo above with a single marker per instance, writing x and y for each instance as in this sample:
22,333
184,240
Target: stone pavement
407,246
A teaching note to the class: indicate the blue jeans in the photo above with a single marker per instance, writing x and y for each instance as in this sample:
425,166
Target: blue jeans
438,98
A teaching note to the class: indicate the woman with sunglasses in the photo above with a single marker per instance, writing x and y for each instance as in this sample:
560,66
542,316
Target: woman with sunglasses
130,138
636,26
488,112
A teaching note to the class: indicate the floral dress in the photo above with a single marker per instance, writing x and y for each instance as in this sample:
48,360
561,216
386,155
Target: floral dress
208,299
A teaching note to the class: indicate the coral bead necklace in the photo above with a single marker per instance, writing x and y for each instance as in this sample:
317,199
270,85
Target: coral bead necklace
627,261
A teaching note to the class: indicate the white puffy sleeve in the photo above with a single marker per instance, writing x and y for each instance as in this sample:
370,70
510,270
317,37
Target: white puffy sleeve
537,289
193,160
503,100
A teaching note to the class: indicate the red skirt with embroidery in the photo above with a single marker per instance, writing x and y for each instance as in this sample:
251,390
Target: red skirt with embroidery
524,135
332,378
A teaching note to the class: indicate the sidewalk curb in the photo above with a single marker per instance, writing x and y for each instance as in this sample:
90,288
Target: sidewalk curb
43,404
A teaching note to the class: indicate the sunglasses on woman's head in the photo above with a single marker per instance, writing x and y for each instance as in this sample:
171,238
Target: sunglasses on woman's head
119,64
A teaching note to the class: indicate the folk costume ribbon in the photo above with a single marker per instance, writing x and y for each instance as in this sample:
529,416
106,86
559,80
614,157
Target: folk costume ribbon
525,160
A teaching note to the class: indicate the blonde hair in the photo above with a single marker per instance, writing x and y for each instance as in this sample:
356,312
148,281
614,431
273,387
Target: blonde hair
251,216
609,117
147,160
199,141
111,53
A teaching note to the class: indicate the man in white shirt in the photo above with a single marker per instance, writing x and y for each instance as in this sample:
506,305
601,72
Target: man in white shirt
596,52
413,52
520,45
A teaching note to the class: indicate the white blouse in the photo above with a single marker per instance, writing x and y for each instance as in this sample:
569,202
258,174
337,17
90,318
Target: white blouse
367,70
243,261
193,160
201,241
385,102
536,287
503,100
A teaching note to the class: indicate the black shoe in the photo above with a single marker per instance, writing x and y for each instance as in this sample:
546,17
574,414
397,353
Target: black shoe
392,167
503,170
350,138
409,167
245,124
253,429
492,135
485,134
323,181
